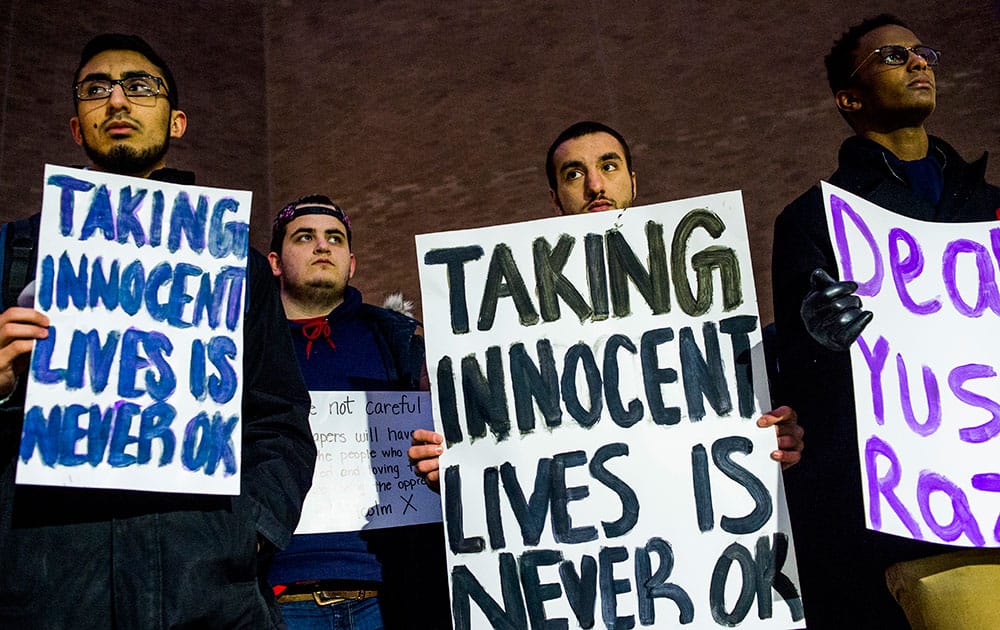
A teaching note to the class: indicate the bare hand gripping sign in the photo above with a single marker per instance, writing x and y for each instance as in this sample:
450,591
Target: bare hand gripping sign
138,385
597,379
925,381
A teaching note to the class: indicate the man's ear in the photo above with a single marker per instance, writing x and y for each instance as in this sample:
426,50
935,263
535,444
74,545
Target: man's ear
178,123
848,100
275,261
555,201
635,191
74,127
354,262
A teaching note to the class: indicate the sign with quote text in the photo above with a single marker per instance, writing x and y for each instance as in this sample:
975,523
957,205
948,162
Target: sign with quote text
138,384
597,379
363,478
926,388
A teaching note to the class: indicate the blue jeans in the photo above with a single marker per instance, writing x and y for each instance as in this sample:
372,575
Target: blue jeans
350,615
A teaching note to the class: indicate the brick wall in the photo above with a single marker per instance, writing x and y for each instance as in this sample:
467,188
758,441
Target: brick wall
422,116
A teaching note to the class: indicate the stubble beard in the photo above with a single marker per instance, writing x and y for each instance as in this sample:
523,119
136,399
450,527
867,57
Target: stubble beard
319,293
126,160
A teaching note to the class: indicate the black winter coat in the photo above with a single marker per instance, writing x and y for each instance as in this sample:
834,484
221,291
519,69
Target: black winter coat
842,563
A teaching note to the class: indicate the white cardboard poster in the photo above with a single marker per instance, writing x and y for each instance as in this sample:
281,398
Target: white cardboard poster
597,379
138,385
925,381
363,478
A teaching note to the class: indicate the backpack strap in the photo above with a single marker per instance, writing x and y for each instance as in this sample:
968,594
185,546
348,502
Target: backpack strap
20,255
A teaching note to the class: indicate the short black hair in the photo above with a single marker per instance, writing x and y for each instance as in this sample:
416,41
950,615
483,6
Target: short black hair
582,128
288,214
118,41
840,61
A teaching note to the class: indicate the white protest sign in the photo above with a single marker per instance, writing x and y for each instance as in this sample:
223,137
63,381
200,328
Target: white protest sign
925,383
597,379
138,385
363,478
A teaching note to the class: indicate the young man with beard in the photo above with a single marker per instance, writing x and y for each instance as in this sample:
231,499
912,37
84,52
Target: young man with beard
883,82
589,169
374,578
80,558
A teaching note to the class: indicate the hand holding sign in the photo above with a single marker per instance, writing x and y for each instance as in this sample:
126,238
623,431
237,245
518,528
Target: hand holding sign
424,454
19,327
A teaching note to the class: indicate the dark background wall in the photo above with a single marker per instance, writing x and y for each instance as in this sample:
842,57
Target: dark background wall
427,116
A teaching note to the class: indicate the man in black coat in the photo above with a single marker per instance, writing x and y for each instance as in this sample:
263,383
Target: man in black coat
78,558
883,82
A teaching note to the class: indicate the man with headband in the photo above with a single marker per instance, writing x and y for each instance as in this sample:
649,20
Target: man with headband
350,579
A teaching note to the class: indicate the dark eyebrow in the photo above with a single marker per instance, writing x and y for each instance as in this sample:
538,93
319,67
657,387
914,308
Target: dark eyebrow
570,164
128,74
336,231
607,157
302,230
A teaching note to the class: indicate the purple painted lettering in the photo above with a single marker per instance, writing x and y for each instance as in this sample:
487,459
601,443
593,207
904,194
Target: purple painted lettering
838,208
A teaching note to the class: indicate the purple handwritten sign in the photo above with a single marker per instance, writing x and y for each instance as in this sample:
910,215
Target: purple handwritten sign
927,393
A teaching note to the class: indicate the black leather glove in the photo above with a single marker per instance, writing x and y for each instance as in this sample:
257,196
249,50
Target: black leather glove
832,313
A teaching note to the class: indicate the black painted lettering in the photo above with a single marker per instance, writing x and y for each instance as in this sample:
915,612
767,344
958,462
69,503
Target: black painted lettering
484,396
581,590
624,265
597,275
722,450
455,258
530,513
739,328
612,588
535,384
581,354
504,280
650,586
536,593
465,587
703,263
551,282
627,496
703,376
562,524
620,416
654,376
457,541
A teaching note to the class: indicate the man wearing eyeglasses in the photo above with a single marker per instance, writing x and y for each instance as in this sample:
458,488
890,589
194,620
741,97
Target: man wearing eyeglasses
79,558
883,82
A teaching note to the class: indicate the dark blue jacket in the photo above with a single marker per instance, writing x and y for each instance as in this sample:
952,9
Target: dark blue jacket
374,349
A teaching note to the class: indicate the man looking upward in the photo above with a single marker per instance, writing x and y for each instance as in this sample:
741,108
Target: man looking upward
371,578
589,169
82,558
884,85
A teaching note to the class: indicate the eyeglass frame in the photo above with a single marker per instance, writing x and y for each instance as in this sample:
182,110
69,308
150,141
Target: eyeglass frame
160,85
908,49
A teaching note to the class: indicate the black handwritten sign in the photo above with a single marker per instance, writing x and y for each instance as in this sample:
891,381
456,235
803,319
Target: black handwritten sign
138,385
925,370
597,379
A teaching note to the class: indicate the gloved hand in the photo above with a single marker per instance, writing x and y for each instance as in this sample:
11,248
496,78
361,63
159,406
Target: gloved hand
832,313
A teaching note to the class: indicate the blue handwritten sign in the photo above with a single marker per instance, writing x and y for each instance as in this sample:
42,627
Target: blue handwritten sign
596,379
926,388
138,385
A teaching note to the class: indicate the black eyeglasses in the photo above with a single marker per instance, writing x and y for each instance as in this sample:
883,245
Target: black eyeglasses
141,86
898,55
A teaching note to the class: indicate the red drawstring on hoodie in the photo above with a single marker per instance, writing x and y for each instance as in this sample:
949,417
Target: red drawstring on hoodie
313,329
